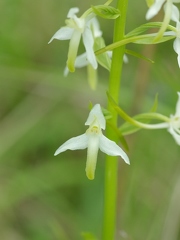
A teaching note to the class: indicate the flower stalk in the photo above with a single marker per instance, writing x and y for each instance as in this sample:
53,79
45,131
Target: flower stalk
111,172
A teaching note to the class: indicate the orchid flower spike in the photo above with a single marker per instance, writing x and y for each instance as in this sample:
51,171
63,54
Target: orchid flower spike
174,125
93,140
75,29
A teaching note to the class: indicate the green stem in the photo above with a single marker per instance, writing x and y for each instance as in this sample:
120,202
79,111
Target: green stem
111,172
132,39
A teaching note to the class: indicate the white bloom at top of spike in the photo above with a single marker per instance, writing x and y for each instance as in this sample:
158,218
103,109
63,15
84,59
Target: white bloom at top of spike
176,33
75,29
156,6
93,140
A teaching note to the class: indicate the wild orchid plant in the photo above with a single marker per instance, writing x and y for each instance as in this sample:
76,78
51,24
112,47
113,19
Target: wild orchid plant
111,58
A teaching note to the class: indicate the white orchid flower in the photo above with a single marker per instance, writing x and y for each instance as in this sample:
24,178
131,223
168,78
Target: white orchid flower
156,6
176,44
75,29
93,140
83,60
168,9
176,32
174,125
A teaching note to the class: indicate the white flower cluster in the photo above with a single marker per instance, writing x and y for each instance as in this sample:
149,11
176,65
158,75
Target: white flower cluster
85,27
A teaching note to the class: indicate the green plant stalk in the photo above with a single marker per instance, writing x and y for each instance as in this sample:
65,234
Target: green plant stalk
111,171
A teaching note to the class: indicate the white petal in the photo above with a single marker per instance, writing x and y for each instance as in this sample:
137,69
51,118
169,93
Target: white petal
178,106
175,135
79,142
63,33
96,28
176,46
72,12
80,23
111,148
175,13
96,113
178,27
169,33
81,61
88,41
109,53
92,152
89,17
125,58
154,9
178,59
66,71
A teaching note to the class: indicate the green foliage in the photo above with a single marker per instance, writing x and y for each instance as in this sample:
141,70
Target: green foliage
138,122
138,55
88,236
147,26
150,2
106,12
150,39
103,59
45,197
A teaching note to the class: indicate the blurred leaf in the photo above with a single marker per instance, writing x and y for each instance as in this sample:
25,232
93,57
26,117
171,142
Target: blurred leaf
88,236
106,113
150,40
58,230
138,55
32,182
108,2
155,104
144,27
150,2
107,12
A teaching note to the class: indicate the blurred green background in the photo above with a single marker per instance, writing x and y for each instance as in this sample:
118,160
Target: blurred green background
43,197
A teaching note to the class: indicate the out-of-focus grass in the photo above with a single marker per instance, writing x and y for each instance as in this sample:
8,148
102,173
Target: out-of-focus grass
47,197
